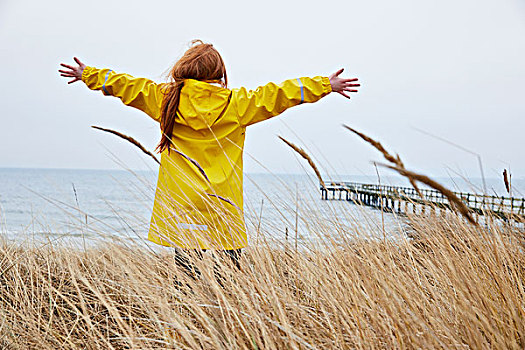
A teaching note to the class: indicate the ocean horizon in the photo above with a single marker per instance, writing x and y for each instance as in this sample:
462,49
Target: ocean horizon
96,204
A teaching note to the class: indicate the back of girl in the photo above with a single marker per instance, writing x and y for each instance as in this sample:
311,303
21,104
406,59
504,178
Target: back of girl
199,196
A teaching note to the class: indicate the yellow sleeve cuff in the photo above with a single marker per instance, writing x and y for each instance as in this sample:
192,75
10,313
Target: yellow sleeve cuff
86,72
327,86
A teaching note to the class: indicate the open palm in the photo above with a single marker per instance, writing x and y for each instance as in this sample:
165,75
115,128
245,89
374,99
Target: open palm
341,85
72,72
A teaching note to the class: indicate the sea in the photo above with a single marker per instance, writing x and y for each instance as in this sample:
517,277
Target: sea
92,206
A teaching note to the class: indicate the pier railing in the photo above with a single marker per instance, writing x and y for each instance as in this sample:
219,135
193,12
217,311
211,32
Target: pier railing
388,197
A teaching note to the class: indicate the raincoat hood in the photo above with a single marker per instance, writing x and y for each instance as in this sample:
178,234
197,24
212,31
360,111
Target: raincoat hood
201,104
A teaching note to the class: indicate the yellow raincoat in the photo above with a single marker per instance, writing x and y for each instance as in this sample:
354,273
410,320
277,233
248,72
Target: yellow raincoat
199,197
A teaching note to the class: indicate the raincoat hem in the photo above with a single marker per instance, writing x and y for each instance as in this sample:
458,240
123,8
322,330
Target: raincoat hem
153,240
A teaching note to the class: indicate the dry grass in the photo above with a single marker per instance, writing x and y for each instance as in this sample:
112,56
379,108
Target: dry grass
452,286
143,149
396,161
309,159
413,177
129,139
506,181
456,203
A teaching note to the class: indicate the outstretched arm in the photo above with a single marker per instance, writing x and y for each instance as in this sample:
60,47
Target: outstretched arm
141,93
272,99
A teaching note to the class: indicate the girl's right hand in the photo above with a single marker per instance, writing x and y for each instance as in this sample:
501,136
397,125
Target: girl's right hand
341,85
72,72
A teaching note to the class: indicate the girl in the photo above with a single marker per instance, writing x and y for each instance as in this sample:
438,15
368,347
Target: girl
199,197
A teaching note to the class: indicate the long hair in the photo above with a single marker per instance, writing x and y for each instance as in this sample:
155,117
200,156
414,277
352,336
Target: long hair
200,62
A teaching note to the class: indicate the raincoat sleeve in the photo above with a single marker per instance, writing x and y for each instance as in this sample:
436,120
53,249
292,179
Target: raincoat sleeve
272,99
141,93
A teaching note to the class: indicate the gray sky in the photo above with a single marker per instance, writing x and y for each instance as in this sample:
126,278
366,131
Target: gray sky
454,68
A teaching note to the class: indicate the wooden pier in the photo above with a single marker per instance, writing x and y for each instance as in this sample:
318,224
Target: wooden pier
404,200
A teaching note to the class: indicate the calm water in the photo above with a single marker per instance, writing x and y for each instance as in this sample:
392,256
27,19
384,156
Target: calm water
52,204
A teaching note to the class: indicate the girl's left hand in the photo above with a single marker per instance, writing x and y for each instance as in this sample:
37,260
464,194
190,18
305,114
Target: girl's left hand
72,72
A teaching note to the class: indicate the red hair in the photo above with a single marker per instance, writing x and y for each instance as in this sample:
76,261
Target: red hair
200,62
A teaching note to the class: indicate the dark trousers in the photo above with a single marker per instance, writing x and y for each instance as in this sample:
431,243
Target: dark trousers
183,260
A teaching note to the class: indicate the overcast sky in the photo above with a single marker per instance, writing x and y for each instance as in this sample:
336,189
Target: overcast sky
453,68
